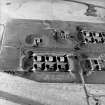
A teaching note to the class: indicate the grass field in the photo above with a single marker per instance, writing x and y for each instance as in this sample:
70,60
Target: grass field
18,91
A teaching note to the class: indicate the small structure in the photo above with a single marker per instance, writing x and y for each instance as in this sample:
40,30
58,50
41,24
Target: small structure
91,37
91,11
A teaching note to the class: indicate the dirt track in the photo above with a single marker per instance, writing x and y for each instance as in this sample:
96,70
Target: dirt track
46,93
55,10
25,92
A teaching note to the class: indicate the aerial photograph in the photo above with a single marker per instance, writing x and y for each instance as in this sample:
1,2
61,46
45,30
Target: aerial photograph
52,52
